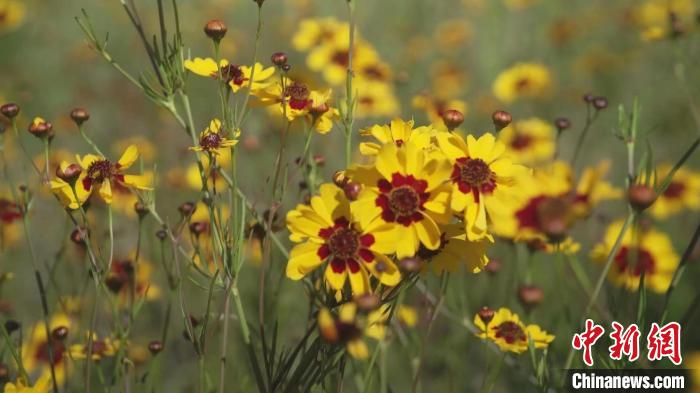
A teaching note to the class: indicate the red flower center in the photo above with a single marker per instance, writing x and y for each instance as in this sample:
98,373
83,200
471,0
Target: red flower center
298,94
232,73
674,190
100,170
402,199
341,58
635,261
473,175
510,332
9,211
345,246
521,142
210,141
42,352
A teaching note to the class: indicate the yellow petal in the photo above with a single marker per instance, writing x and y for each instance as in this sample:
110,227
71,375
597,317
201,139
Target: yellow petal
131,154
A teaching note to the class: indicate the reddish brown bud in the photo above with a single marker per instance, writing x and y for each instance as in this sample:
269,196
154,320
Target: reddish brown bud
452,118
79,116
4,373
641,196
215,29
530,295
141,209
78,236
319,110
554,215
486,314
494,266
11,326
161,234
10,110
562,123
187,208
41,129
155,347
286,67
339,179
279,59
198,227
367,302
114,283
501,119
319,159
600,103
352,190
588,97
69,174
60,333
411,264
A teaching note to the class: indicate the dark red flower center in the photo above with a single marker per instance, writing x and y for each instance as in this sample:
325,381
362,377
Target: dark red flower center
210,141
635,261
523,84
674,190
345,246
100,170
521,142
347,331
298,94
510,332
232,73
473,175
9,211
402,199
374,72
341,58
42,352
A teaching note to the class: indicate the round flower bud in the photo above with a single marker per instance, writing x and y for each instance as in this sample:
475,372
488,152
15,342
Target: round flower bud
411,264
215,29
69,174
600,103
78,236
60,333
79,116
279,59
352,190
41,128
553,215
452,118
530,296
562,123
198,227
367,302
641,196
114,283
11,326
161,234
155,347
486,314
187,208
319,159
140,209
286,67
494,266
318,110
9,110
501,119
588,98
339,179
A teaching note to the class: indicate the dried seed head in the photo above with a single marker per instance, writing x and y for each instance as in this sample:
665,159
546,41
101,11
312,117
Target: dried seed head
600,103
10,110
452,118
641,196
530,296
352,190
562,123
215,29
155,347
79,116
486,314
279,59
69,174
501,119
60,333
411,264
11,326
367,302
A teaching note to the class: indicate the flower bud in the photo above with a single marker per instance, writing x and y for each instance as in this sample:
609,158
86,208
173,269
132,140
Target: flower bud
588,98
553,216
69,174
641,196
501,119
4,373
60,333
9,110
215,29
286,67
114,283
411,264
452,118
155,347
279,59
562,123
367,302
161,234
600,103
187,208
40,128
530,296
486,314
352,190
319,159
318,110
339,179
79,116
198,227
494,266
78,236
141,209
11,326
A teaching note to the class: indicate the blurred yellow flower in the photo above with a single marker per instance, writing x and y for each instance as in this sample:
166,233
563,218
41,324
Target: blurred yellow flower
682,193
510,333
42,385
314,32
35,350
530,141
100,348
435,107
523,80
349,328
456,250
12,14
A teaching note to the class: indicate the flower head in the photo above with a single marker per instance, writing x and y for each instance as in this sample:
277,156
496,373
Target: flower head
212,140
36,353
510,333
682,193
522,80
349,328
235,76
397,132
530,141
100,348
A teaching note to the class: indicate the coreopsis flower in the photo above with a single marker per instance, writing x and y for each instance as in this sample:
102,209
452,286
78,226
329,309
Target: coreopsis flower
435,107
661,19
453,34
128,279
450,79
10,220
530,141
456,250
331,59
397,132
12,14
682,193
212,140
42,385
481,172
642,250
105,348
375,100
301,101
236,76
551,193
529,80
314,32
328,233
507,331
35,350
406,189
349,328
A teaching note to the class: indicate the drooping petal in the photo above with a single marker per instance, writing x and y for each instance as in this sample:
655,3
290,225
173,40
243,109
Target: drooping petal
131,154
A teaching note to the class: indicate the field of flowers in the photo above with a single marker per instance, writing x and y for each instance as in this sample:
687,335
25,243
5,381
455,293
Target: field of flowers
346,195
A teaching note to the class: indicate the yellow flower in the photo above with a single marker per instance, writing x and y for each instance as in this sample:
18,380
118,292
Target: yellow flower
397,132
128,279
510,333
212,140
407,315
12,15
99,172
530,141
42,385
331,59
300,101
435,107
314,32
642,249
100,348
682,193
35,350
237,77
654,17
376,100
456,249
480,175
522,80
328,232
406,189
10,220
349,329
